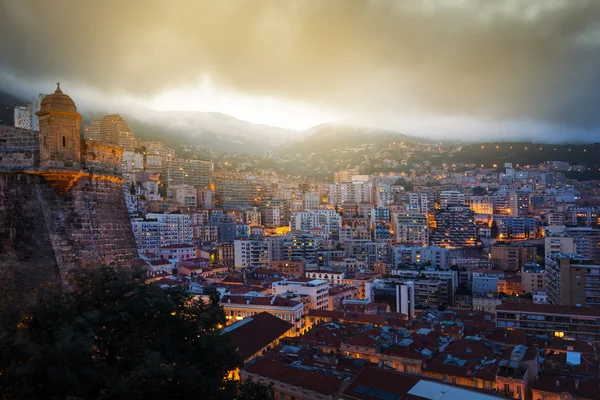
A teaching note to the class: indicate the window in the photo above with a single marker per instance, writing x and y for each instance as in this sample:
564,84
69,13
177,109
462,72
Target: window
64,141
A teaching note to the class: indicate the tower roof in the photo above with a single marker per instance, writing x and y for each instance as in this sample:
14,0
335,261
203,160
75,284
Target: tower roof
57,101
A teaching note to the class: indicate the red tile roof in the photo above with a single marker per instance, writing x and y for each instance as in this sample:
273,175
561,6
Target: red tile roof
380,379
254,333
273,366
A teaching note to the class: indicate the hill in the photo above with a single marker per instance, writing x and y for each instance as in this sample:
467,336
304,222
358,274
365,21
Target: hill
213,130
326,138
523,153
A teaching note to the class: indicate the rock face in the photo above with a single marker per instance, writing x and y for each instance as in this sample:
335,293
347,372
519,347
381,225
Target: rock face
59,213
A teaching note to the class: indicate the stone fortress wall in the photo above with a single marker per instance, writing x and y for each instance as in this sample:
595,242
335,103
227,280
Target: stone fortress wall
55,219
19,148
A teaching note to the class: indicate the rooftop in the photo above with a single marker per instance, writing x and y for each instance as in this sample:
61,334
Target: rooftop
274,366
255,333
549,309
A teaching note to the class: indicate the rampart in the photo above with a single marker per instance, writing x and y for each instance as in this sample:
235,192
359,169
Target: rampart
53,220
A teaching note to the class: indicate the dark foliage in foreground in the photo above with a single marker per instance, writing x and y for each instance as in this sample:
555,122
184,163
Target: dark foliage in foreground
111,336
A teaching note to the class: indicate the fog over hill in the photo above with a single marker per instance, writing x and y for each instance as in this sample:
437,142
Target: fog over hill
225,133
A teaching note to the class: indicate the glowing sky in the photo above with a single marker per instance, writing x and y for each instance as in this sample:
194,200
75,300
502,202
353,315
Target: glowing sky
506,68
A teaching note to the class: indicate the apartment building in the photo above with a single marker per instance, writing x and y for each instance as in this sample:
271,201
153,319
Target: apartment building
581,323
251,253
572,280
317,291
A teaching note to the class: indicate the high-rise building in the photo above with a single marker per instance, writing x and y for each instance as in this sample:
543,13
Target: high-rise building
22,117
236,193
25,116
380,223
455,227
195,173
111,129
93,132
518,203
357,191
345,175
302,246
451,198
518,227
251,253
330,220
274,213
410,228
158,148
572,280
421,203
160,230
512,256
480,204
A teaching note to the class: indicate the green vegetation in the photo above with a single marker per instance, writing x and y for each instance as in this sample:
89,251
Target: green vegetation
111,336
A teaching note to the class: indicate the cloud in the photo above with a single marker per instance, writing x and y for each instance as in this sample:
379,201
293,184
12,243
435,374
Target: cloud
515,60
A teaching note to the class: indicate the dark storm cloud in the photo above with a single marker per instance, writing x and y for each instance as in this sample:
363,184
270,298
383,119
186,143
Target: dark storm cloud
520,60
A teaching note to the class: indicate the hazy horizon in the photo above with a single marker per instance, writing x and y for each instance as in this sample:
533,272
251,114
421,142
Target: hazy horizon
463,69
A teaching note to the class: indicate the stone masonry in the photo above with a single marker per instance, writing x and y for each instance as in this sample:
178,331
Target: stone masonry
62,213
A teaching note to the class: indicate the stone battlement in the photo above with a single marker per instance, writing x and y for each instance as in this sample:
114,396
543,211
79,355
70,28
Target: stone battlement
61,203
101,158
19,148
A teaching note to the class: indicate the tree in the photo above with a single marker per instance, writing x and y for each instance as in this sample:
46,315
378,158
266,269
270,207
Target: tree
250,390
408,186
111,336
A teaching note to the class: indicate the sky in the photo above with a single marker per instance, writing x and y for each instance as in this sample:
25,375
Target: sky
505,69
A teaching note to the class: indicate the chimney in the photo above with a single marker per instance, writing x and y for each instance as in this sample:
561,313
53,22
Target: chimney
557,383
468,349
229,300
576,384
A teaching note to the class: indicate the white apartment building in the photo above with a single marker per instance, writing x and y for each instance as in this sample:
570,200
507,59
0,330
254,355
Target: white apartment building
184,195
251,253
451,198
238,307
330,220
410,228
420,202
162,229
480,204
132,161
351,192
333,278
317,291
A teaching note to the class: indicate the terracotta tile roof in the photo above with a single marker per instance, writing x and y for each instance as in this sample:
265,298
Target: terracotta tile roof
273,366
259,300
392,382
254,333
348,316
159,262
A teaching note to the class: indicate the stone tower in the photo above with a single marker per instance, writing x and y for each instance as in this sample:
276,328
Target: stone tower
61,203
60,140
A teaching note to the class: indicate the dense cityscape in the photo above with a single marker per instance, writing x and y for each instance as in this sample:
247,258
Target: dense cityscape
300,200
437,280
